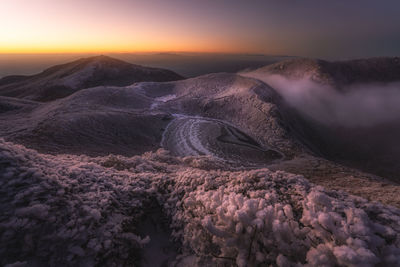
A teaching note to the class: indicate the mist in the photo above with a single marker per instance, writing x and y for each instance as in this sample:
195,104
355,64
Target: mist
361,105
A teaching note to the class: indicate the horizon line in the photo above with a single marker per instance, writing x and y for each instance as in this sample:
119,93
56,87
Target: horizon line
145,52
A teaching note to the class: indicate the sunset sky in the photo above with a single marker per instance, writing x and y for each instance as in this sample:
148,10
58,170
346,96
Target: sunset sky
305,28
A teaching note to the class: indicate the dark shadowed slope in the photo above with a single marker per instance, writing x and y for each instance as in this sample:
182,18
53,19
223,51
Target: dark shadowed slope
62,80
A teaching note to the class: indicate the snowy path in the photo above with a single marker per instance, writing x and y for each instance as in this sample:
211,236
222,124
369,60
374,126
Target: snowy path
193,136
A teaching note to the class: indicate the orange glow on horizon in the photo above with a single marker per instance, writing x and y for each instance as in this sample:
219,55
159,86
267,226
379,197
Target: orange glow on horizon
119,46
74,26
16,49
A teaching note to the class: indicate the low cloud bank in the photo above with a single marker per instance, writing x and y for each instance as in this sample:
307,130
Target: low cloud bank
361,105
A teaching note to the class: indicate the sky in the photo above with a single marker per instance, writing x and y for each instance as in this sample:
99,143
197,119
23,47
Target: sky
312,28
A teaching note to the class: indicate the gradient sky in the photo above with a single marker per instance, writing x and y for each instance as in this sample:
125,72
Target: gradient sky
339,28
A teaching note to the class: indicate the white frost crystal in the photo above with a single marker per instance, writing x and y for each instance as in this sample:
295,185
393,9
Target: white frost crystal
78,210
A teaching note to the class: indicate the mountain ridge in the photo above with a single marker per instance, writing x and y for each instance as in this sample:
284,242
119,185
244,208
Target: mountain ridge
62,80
338,73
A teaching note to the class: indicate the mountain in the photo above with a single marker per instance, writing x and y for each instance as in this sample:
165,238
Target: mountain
337,73
241,120
272,162
131,120
63,80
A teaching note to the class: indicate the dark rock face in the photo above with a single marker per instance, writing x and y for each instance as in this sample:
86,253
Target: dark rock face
63,80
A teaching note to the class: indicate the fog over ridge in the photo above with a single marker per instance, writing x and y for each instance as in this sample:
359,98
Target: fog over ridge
360,105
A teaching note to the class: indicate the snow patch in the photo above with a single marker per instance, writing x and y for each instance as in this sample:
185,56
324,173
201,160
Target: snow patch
161,99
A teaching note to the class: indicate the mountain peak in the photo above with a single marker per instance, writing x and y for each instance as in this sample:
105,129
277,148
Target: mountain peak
101,59
62,80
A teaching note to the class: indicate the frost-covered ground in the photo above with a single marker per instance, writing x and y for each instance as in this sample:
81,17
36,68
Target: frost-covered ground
83,211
